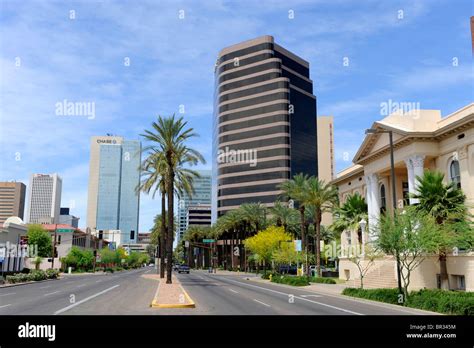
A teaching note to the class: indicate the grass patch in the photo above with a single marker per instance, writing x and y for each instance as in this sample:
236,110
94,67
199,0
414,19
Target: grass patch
435,300
322,280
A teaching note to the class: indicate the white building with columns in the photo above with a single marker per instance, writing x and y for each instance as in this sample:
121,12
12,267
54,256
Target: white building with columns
422,140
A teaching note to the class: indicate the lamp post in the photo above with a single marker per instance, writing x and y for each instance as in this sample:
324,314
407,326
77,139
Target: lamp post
394,199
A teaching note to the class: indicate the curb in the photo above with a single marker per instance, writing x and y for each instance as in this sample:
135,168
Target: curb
27,283
191,303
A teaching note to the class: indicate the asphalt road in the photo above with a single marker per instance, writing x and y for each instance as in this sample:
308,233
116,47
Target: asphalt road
237,295
215,294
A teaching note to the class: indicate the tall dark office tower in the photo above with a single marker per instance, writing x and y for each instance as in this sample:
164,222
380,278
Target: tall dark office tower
264,123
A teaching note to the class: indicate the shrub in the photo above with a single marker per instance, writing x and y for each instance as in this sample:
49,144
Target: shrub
382,295
109,269
322,280
12,279
52,273
38,275
290,280
442,301
266,275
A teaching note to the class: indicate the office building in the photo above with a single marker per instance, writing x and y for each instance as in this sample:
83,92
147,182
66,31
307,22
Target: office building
326,167
66,218
113,203
44,198
198,215
201,195
264,123
12,200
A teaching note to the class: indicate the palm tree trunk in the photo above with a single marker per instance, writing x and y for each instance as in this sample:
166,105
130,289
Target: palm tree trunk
169,244
443,271
303,234
317,228
163,235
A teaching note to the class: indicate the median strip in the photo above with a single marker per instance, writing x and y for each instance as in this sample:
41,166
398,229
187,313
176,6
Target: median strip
171,296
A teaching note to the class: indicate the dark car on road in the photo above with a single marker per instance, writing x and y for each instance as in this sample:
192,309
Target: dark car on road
183,269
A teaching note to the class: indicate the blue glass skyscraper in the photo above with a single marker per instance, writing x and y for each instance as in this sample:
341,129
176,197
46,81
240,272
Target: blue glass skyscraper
117,200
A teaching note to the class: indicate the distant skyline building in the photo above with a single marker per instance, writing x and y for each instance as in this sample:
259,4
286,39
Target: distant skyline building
12,200
264,123
326,167
66,218
113,203
44,198
202,195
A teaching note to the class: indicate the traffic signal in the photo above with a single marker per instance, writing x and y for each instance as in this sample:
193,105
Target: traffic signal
101,234
132,234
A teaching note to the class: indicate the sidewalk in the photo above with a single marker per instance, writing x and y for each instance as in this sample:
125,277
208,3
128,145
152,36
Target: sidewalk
330,289
170,295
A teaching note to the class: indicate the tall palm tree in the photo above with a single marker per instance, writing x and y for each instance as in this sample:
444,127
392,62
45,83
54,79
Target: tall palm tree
445,202
296,189
320,198
168,136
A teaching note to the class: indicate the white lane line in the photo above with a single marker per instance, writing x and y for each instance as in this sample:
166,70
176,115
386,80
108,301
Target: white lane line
236,292
146,272
301,298
98,281
262,303
10,293
45,287
5,305
311,296
51,293
79,286
85,300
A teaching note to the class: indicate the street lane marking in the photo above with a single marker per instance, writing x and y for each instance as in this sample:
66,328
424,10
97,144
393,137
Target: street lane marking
45,287
11,293
98,281
85,300
5,305
51,293
262,303
311,296
301,298
146,272
233,291
81,285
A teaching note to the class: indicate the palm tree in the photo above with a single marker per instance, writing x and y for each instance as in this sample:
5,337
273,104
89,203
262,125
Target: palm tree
445,202
283,216
168,137
320,198
297,189
348,216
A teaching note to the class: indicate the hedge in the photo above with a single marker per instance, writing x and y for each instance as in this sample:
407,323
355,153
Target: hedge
435,300
322,280
35,275
290,280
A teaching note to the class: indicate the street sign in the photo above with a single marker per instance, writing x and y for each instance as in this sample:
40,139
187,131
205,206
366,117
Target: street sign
208,240
298,244
64,230
186,244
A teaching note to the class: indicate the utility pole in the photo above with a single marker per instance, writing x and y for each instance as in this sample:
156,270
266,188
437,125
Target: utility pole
54,245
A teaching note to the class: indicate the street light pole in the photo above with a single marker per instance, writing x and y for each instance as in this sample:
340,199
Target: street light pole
54,245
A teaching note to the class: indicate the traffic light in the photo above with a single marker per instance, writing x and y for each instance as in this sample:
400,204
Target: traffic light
100,234
132,234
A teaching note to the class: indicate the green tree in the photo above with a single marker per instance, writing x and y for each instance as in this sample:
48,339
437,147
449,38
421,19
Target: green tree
446,203
284,216
349,214
297,190
410,235
38,236
168,137
265,243
320,198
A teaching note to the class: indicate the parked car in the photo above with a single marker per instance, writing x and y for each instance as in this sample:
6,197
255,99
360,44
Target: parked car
288,269
183,269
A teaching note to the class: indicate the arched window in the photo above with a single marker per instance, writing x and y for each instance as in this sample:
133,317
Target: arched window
454,173
383,199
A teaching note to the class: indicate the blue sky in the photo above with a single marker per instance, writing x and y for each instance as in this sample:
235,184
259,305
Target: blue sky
46,57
